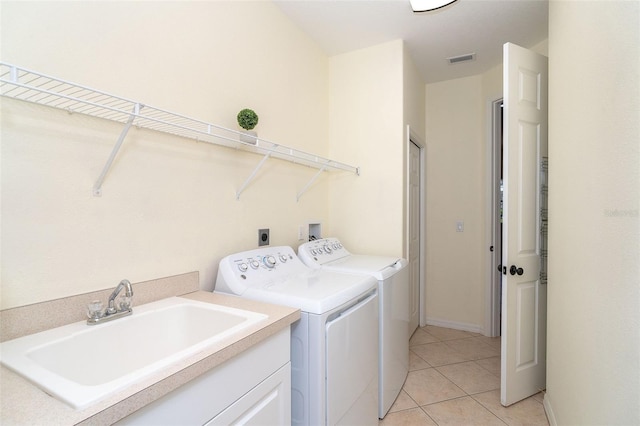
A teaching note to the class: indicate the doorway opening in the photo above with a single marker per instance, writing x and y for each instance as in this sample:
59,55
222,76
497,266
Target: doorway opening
495,263
415,227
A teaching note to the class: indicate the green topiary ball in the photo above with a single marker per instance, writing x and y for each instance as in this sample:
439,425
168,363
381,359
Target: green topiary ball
247,119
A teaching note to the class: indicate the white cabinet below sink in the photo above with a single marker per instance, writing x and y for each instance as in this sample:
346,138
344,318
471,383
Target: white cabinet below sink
251,388
269,403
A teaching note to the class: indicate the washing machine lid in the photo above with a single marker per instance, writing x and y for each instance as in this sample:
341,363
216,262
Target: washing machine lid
330,254
381,267
316,291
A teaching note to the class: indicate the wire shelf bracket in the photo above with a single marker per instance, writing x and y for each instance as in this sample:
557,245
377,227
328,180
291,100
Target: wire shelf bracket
308,185
252,175
26,85
97,187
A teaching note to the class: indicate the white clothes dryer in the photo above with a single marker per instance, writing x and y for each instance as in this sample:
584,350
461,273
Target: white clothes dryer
334,357
392,276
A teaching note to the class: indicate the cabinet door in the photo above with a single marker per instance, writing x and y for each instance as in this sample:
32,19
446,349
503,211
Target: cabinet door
206,396
269,403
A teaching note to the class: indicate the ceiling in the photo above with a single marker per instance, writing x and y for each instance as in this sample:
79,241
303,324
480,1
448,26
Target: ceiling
465,26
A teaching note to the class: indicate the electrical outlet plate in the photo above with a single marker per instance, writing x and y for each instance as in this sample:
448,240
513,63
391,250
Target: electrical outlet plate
263,237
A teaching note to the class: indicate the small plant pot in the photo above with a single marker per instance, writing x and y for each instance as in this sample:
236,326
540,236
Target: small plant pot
249,136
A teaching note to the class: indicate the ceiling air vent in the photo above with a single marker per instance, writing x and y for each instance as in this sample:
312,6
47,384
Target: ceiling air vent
461,58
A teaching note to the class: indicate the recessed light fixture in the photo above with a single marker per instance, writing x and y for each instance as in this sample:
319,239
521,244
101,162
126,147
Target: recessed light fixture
427,5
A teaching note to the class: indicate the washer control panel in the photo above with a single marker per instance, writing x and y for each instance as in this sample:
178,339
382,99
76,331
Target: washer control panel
319,252
252,268
245,262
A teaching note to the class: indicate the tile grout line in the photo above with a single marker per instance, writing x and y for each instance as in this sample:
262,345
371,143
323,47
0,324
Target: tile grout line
472,396
466,394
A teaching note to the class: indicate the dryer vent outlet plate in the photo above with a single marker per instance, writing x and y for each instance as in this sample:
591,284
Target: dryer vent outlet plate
263,237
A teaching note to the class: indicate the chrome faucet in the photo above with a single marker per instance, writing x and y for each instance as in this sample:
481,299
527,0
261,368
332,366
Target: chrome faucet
111,309
97,315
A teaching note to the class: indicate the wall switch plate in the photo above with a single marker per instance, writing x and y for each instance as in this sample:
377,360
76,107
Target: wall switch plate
460,226
263,237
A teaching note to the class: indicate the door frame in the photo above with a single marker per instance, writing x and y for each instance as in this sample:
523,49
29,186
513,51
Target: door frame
413,137
493,306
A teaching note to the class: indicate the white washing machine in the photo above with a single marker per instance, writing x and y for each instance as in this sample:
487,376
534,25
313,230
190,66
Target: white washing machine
392,276
334,356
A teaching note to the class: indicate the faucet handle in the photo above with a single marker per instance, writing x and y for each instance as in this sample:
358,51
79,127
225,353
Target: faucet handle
94,309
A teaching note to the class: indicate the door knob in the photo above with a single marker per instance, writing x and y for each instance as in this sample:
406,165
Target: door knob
515,270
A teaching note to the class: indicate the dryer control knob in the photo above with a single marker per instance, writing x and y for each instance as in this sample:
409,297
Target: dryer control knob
327,249
254,263
269,261
243,267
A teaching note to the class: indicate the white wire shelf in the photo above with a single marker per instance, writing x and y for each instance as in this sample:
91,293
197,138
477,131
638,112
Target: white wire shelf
26,85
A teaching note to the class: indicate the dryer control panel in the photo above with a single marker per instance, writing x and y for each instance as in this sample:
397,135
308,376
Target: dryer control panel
318,252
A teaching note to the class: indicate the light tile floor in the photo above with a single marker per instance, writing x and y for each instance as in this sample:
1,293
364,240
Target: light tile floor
454,379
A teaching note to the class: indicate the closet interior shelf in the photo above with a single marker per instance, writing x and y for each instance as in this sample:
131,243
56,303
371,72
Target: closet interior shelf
27,85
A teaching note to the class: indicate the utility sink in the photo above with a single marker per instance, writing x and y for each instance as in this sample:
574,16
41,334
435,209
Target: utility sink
81,364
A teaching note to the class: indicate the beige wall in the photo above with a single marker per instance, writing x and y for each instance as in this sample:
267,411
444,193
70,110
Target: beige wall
168,204
414,113
413,95
593,358
366,122
455,136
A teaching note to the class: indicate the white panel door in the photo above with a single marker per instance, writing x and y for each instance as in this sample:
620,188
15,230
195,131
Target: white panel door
414,237
524,296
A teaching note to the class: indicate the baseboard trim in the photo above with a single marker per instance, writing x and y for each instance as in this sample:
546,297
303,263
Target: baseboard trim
546,403
473,328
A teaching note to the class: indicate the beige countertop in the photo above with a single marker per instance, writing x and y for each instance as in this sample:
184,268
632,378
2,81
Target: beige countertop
22,403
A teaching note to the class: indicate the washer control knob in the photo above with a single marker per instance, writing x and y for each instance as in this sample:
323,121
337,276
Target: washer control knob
254,263
243,267
269,261
283,258
327,248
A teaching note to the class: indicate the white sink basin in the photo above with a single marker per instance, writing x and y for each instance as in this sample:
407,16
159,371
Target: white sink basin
81,364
